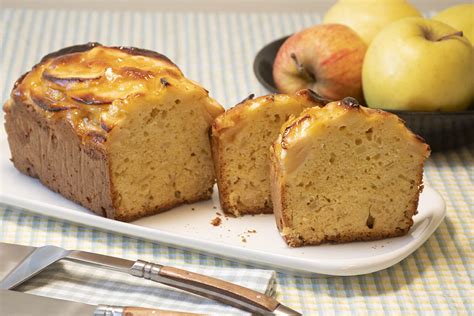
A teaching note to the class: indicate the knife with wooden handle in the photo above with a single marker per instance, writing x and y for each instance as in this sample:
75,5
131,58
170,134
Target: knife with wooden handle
216,289
17,303
141,311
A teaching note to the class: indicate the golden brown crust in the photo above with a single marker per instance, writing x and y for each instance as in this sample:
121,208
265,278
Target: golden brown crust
88,46
292,128
89,85
71,49
237,114
218,169
40,148
277,191
298,241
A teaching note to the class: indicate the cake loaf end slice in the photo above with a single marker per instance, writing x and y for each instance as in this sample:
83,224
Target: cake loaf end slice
344,173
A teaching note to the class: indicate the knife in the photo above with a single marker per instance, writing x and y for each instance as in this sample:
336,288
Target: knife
216,289
19,304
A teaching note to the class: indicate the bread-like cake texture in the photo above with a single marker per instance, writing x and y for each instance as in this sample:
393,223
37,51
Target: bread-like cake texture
241,138
344,173
119,130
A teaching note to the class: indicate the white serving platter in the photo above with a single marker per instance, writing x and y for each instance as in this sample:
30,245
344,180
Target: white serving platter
190,227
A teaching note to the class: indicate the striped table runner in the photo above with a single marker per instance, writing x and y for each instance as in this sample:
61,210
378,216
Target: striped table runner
217,50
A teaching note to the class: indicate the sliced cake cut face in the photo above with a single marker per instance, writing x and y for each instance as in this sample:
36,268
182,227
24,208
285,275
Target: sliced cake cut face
241,138
344,173
119,130
160,152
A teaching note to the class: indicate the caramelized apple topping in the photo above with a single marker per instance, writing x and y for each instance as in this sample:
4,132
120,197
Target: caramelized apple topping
351,102
89,84
50,105
64,81
91,99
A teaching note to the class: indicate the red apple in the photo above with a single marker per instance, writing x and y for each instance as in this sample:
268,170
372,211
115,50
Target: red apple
326,58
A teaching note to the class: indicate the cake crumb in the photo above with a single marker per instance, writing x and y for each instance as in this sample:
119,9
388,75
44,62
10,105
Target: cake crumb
253,231
192,208
214,207
243,239
218,214
216,221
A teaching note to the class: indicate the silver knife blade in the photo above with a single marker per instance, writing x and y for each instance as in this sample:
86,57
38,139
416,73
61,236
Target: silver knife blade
22,304
38,260
94,259
213,288
11,255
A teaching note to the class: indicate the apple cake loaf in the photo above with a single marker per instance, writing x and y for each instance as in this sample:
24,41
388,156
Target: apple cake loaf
343,173
241,138
119,130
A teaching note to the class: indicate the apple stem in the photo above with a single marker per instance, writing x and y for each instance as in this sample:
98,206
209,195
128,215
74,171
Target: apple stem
445,37
301,69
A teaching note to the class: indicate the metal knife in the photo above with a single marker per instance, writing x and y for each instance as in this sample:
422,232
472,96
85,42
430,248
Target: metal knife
19,304
216,289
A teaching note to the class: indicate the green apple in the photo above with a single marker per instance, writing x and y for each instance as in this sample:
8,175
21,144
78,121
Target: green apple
368,17
461,17
419,65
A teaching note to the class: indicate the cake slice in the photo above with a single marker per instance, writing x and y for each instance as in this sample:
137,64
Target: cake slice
241,138
119,130
343,173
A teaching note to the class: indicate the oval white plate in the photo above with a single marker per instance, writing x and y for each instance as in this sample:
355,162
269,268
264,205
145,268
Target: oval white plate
189,226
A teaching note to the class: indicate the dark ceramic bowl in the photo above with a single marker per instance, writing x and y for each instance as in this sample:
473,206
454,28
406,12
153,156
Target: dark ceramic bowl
441,130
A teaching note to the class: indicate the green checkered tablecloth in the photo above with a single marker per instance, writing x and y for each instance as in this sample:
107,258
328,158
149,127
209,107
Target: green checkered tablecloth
217,50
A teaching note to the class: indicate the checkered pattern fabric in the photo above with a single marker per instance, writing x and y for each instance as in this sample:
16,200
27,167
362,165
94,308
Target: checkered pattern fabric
217,50
82,283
